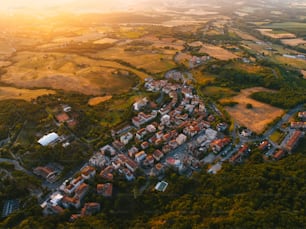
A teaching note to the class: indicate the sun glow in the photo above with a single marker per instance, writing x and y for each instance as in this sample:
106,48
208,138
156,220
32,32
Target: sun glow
25,6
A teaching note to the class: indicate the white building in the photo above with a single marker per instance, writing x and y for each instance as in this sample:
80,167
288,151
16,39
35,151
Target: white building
140,156
126,138
140,104
181,139
48,139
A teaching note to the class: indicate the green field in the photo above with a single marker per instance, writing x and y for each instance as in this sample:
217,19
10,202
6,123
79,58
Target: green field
277,136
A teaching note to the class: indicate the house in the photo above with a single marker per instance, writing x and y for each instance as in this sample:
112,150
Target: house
73,185
74,217
293,140
241,153
298,125
161,186
151,128
118,145
221,127
128,162
157,155
98,160
166,148
141,133
149,161
90,209
81,191
88,172
108,150
66,108
218,144
107,173
173,144
181,139
131,165
143,118
126,138
56,209
105,190
302,115
263,145
278,154
128,175
144,145
159,134
62,117
48,139
44,172
140,104
140,156
71,202
132,151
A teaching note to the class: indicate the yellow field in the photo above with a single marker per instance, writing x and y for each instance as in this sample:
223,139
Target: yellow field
24,94
269,33
294,42
244,35
202,78
106,41
97,100
249,68
297,63
69,72
151,61
217,52
257,118
4,63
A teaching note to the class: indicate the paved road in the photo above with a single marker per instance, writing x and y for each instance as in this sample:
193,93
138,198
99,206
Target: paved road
16,164
284,119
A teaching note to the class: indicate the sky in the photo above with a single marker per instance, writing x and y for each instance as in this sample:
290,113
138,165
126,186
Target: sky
70,5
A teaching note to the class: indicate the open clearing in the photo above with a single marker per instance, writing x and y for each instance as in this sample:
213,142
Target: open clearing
97,100
24,94
217,52
257,118
294,42
70,72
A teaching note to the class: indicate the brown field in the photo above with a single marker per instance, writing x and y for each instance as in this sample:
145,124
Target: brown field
69,72
24,94
294,42
257,118
97,100
217,52
4,63
270,33
245,36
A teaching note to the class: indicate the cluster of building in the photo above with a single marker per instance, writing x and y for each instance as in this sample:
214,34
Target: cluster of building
72,192
49,172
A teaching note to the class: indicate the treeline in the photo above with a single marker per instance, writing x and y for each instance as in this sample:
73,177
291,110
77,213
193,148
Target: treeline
285,98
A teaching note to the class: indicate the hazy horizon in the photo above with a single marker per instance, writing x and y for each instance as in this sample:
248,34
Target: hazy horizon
27,6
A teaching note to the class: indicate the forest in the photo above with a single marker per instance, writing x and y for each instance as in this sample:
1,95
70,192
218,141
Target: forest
256,194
